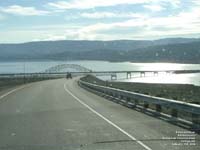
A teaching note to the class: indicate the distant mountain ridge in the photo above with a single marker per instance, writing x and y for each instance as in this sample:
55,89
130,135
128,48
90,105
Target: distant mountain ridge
179,50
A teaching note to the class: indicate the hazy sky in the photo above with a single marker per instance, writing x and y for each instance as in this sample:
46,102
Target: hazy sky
33,20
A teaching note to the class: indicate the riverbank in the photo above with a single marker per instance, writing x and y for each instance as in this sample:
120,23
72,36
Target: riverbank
181,92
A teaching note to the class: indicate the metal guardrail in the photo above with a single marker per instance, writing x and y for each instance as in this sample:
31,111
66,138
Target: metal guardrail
135,98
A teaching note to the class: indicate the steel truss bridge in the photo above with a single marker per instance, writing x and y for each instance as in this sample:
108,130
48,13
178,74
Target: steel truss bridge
59,68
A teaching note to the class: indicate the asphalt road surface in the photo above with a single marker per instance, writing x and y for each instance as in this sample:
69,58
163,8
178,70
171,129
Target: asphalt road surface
60,115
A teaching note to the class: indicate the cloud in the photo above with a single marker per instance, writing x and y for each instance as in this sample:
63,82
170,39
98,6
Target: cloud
184,23
2,17
181,24
52,37
196,2
138,25
154,7
23,11
86,4
175,3
159,5
98,15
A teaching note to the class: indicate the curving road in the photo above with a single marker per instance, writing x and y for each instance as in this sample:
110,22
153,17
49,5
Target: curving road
58,114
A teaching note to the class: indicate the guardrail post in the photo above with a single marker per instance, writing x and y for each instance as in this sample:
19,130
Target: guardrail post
104,91
116,97
146,105
128,99
195,118
128,74
174,113
111,94
136,102
158,108
121,97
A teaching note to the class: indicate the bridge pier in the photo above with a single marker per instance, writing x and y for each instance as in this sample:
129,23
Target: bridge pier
168,72
128,75
155,73
113,77
142,74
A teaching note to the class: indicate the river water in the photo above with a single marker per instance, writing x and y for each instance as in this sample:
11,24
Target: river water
40,66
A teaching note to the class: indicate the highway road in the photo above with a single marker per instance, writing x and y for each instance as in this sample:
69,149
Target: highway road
60,115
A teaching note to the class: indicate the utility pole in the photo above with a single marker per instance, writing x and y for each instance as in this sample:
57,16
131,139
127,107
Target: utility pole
24,72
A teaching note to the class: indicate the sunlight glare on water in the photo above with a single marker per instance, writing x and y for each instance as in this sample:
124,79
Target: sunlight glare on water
159,66
168,79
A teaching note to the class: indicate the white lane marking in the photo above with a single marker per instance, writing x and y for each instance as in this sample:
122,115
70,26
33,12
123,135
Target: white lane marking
10,92
107,120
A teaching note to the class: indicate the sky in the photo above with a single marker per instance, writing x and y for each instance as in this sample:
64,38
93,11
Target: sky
41,20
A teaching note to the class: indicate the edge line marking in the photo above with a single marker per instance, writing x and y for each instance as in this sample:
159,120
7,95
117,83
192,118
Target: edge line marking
107,120
12,91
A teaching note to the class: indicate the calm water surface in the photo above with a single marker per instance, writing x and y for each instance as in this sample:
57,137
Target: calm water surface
28,67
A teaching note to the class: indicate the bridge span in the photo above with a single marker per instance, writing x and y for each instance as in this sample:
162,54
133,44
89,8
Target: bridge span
81,70
113,74
77,70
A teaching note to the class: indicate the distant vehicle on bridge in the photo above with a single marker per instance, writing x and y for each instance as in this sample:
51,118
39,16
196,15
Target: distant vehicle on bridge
69,76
